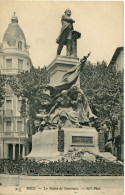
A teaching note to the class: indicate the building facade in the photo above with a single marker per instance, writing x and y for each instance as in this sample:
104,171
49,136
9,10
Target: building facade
14,58
118,59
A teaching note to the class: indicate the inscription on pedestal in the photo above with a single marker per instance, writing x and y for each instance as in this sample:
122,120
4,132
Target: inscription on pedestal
82,140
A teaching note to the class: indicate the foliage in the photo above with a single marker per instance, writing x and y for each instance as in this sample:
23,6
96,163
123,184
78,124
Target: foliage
103,87
2,88
30,86
100,167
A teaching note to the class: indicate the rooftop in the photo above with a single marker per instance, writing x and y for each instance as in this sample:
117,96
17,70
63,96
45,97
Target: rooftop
13,32
116,54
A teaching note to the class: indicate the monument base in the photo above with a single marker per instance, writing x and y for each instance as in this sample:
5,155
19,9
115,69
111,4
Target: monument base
44,145
54,145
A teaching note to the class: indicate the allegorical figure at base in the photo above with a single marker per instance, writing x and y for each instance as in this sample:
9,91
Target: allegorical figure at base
63,111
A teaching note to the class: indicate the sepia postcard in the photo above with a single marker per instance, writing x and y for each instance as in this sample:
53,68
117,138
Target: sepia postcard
61,97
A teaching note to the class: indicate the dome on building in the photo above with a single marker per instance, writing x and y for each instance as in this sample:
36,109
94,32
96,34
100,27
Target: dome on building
13,32
14,18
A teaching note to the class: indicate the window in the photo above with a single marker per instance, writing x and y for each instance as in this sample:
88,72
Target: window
20,65
20,45
9,63
19,125
8,126
8,104
19,105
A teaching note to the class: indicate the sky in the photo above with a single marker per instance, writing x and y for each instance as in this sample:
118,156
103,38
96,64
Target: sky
99,22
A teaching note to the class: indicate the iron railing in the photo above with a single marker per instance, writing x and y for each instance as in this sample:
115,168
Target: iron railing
13,134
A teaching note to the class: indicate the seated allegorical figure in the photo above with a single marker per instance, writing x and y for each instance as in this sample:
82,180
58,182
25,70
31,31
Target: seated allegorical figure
81,105
63,112
79,108
71,109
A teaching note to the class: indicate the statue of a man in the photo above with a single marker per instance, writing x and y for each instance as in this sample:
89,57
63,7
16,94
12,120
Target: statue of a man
65,37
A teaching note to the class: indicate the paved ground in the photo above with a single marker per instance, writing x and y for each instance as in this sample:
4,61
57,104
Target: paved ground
12,190
61,185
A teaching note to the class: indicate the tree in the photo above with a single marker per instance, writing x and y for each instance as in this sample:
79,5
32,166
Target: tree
103,87
30,86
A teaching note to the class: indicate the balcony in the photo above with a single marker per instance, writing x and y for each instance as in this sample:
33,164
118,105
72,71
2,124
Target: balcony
13,134
10,71
8,113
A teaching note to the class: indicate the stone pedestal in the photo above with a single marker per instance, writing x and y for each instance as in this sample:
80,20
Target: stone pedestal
49,144
81,138
59,66
54,144
44,145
